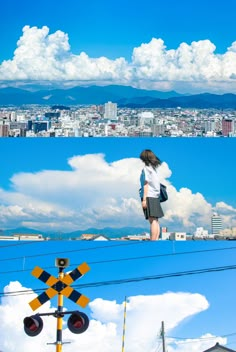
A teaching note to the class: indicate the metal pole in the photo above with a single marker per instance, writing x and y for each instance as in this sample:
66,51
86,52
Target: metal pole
123,337
59,316
163,336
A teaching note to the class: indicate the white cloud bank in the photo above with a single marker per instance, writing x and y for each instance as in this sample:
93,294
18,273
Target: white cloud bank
95,193
189,68
143,320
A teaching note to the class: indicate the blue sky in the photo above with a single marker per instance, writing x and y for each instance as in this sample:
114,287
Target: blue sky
200,164
77,183
214,306
101,28
112,31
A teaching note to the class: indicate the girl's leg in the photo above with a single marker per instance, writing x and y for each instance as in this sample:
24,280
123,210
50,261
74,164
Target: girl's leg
154,229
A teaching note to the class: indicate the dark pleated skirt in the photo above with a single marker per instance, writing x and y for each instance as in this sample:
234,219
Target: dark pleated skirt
153,209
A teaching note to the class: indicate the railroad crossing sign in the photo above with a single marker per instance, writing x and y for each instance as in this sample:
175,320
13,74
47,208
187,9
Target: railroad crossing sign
60,286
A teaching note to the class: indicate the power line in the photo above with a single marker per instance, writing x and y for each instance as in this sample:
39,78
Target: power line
131,280
231,343
18,244
200,338
111,260
71,250
157,277
109,246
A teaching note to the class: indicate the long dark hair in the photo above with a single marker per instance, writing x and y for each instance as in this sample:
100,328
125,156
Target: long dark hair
150,159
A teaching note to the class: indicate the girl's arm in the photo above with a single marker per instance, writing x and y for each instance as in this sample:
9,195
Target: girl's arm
145,192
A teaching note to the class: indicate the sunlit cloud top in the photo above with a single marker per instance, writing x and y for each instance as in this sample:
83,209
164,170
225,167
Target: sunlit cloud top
106,321
44,56
95,193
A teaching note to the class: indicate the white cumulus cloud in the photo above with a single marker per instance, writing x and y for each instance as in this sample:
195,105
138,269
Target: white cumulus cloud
106,323
192,66
95,193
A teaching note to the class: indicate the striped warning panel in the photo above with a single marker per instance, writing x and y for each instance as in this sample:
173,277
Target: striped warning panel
75,296
43,298
76,273
60,286
44,276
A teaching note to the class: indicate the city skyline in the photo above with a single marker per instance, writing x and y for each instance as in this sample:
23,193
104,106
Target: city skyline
196,309
67,184
163,47
95,121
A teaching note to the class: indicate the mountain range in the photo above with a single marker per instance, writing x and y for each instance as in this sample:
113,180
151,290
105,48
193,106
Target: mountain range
108,232
77,95
124,96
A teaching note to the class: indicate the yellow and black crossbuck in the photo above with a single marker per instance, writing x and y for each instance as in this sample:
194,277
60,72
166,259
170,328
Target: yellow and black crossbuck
61,286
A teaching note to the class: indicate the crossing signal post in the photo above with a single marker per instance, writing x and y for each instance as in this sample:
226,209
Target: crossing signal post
78,322
60,310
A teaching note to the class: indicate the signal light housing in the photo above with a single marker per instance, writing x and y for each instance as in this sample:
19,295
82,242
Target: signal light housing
33,325
78,322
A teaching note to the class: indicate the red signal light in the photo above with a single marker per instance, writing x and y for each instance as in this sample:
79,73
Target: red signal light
33,325
78,322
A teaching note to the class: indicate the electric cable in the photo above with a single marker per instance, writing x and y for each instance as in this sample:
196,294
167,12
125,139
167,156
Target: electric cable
72,250
17,244
129,280
113,260
200,338
157,277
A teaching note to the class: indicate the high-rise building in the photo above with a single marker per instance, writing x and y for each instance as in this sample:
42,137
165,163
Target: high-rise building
4,129
52,115
39,126
227,127
216,224
158,130
209,126
110,111
146,118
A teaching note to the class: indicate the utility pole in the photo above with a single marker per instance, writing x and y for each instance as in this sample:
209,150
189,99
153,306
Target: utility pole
123,337
163,336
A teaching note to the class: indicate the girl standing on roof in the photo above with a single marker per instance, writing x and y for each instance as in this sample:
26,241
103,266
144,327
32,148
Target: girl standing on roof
150,192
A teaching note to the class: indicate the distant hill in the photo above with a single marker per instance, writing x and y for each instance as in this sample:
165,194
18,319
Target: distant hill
201,101
79,95
124,96
108,231
22,230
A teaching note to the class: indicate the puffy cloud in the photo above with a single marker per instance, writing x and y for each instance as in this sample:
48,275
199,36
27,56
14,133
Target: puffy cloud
188,207
190,67
43,56
195,345
227,212
106,323
95,193
13,310
181,305
222,206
